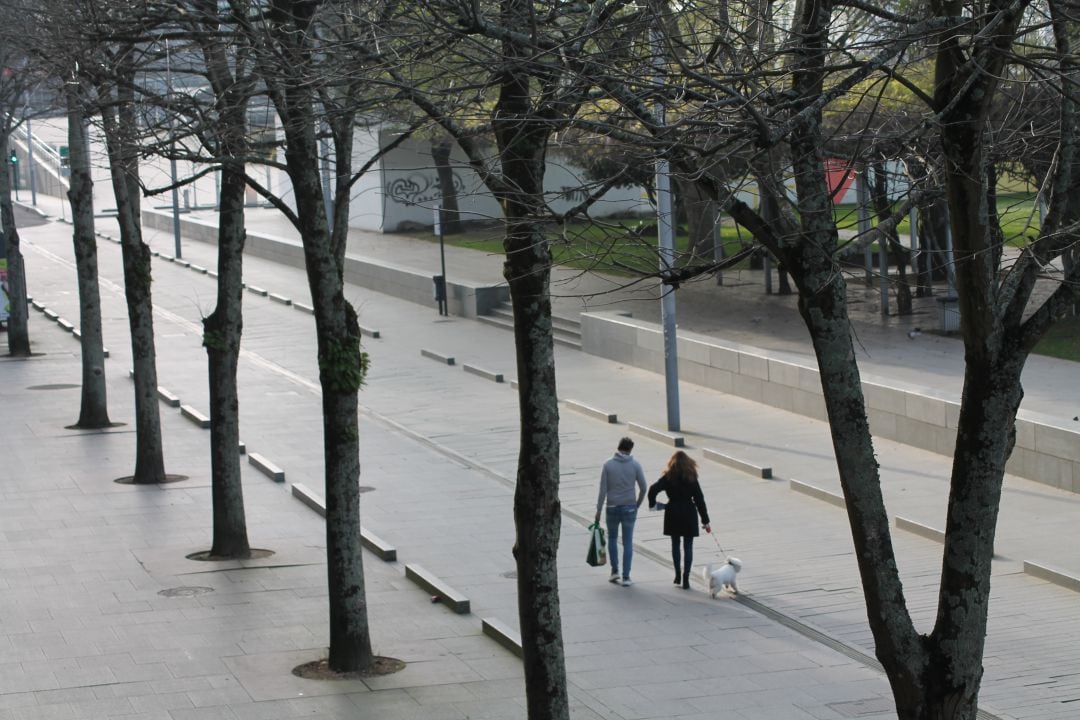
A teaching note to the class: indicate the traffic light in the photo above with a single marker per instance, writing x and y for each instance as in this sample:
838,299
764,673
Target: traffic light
14,158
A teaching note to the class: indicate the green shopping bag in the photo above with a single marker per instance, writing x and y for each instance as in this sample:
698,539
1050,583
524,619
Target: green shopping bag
597,556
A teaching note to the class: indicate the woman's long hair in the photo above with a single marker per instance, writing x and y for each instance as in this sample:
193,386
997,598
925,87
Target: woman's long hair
681,468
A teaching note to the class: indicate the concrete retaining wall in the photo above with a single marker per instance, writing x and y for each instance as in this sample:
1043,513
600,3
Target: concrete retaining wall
464,299
1045,451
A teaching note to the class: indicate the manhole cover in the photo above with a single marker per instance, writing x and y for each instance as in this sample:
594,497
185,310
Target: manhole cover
364,488
510,574
54,386
185,591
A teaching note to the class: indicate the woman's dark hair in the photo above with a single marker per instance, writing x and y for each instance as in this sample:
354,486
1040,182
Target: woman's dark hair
681,468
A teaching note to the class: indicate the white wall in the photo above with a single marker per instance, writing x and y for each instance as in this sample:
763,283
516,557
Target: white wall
411,192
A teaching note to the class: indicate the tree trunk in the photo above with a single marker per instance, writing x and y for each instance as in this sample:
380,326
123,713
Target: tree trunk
823,306
222,330
18,318
124,168
879,196
342,366
94,408
449,217
701,219
933,224
522,142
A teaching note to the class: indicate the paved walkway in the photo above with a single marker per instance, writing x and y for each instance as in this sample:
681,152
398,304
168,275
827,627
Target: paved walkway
439,451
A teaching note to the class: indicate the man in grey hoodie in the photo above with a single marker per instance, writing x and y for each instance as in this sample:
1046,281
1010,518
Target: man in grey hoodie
617,480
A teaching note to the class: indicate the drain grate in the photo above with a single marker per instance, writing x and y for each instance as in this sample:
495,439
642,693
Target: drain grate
190,591
864,708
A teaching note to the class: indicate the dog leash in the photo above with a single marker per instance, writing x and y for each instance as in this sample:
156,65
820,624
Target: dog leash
719,547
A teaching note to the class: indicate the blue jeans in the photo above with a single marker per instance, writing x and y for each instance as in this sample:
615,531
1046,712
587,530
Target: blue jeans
621,516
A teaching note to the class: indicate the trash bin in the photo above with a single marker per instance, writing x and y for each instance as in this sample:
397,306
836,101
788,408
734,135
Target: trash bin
950,313
439,283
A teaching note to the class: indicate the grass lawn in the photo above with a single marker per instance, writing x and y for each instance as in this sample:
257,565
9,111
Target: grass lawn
1063,340
624,246
1017,212
628,247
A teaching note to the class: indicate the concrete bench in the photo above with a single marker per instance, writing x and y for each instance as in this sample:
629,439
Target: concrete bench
266,467
817,493
166,258
920,529
167,397
304,308
182,263
211,273
481,372
199,269
195,416
1065,579
280,299
65,325
369,332
765,473
379,547
257,291
438,589
661,435
448,359
591,411
502,634
50,314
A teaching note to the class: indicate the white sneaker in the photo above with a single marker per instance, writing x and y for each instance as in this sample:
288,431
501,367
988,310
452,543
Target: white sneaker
613,579
627,582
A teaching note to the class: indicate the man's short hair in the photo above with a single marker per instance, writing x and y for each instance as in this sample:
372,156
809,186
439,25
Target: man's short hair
626,445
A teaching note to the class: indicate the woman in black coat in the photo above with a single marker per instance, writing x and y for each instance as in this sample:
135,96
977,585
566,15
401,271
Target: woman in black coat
685,503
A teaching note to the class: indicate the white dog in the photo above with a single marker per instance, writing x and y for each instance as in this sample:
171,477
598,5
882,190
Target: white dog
723,576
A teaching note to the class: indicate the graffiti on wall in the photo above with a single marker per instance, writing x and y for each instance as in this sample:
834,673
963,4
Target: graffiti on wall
420,188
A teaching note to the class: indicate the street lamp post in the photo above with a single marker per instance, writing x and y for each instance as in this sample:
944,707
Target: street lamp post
172,156
666,230
30,158
440,280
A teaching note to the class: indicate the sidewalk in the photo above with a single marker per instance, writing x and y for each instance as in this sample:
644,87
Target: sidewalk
435,439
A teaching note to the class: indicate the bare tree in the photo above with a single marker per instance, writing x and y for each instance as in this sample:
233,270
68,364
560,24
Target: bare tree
534,87
93,412
117,96
223,132
934,675
17,78
290,66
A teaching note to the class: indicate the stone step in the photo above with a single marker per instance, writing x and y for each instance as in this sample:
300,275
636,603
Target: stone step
564,330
